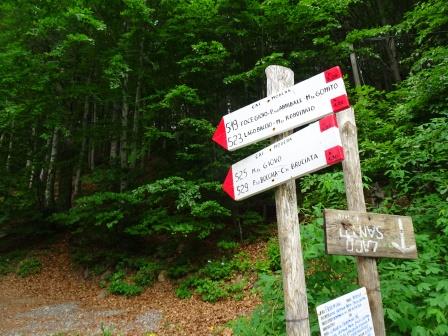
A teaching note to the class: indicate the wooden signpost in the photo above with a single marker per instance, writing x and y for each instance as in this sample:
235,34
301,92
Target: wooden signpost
355,232
284,110
291,257
366,266
290,155
369,234
312,148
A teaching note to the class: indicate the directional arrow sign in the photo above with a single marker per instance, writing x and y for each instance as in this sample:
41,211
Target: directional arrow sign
312,148
369,234
298,105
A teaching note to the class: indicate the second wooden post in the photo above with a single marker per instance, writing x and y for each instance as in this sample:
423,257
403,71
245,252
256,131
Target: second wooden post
367,271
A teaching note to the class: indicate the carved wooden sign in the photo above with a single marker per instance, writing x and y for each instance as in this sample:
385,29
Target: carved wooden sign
369,234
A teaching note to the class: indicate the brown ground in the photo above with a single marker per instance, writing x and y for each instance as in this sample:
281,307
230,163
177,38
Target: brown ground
59,301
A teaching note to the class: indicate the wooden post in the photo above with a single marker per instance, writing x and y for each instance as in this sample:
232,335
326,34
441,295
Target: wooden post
294,288
367,270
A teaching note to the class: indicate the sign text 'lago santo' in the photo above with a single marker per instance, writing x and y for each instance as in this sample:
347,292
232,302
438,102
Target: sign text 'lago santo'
369,234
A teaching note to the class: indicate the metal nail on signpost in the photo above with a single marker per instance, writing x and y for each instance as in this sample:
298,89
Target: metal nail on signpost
312,148
294,106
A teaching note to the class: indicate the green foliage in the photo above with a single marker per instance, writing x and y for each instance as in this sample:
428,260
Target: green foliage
106,331
10,260
147,274
210,290
168,206
268,318
422,287
226,245
273,254
217,270
153,82
119,285
29,266
179,270
183,291
216,280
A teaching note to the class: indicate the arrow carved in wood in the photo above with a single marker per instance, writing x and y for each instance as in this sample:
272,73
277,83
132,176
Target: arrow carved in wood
402,247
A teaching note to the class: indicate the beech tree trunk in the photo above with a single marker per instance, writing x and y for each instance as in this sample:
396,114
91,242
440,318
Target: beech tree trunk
78,169
92,142
391,47
29,162
113,142
49,187
136,121
124,137
10,144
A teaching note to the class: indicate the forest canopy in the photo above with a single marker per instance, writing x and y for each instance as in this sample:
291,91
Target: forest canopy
107,109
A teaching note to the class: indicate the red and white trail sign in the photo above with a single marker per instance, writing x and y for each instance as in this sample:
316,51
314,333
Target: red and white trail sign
297,105
312,148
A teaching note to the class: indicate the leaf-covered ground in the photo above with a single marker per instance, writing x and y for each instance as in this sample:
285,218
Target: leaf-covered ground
61,301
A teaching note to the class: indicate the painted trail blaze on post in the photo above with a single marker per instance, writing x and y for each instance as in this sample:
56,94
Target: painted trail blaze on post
220,135
295,106
312,148
333,74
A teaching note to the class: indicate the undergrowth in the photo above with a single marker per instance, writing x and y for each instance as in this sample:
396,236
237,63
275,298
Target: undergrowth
218,279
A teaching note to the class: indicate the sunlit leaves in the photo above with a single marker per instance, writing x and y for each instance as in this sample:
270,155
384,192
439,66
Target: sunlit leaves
117,71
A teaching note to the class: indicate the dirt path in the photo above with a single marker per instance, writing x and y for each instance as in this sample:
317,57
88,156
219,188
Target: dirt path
60,301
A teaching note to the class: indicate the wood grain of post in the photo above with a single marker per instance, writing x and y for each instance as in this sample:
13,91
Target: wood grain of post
294,288
366,266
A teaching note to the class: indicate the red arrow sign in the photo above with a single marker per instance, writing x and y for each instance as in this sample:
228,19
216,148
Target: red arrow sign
312,148
298,105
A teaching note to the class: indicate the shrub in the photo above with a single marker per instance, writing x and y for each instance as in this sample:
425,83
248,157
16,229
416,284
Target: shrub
29,267
217,270
147,274
227,245
178,271
273,253
210,290
118,285
267,318
241,262
9,261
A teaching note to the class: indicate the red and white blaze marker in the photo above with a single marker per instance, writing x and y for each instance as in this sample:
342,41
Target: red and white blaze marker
298,105
312,148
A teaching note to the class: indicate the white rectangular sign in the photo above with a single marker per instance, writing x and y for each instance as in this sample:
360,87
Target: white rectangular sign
312,148
298,105
348,315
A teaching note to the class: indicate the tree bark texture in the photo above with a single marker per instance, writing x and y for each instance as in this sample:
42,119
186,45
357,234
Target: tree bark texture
367,271
92,142
124,136
113,142
294,287
77,177
49,187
